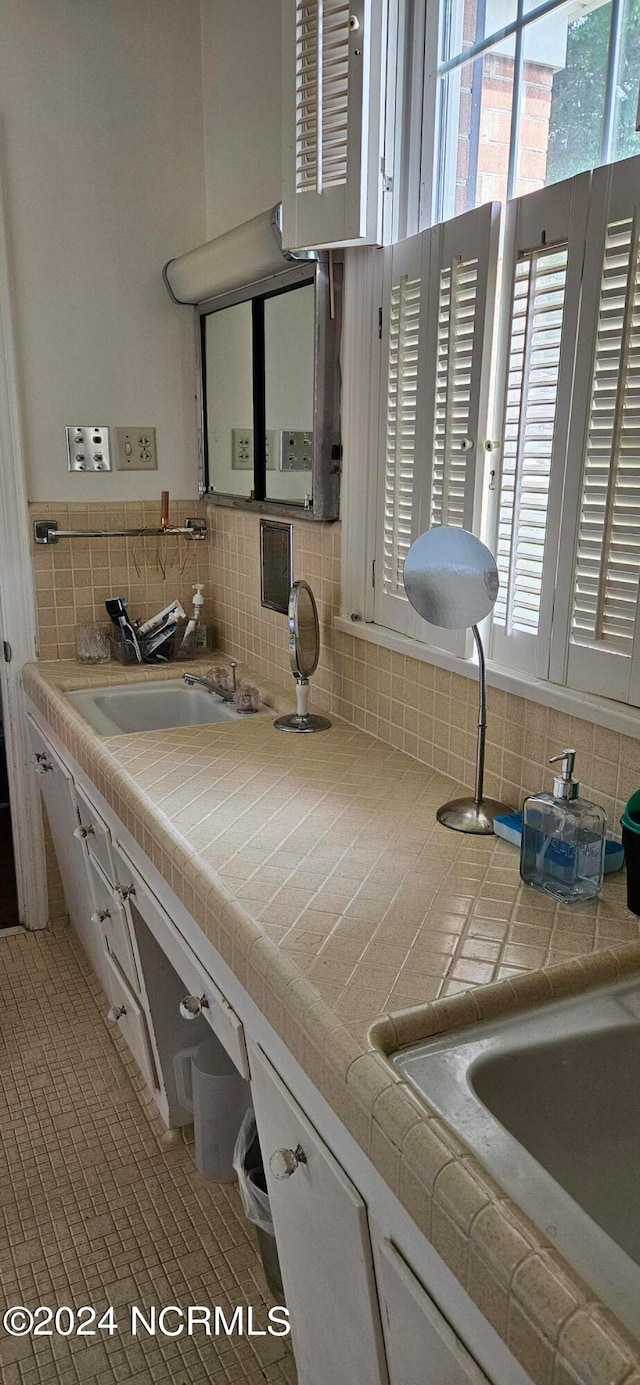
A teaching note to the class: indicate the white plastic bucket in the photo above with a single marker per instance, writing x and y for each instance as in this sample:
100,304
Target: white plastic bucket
210,1086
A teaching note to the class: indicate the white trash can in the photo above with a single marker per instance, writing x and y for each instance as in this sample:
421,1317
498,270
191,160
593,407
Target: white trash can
211,1087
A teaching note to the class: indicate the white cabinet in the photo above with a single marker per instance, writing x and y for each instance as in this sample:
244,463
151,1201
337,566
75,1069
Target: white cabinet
128,1014
422,1348
109,914
199,987
57,787
323,1241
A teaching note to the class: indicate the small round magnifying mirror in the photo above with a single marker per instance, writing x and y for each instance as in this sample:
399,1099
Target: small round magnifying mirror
304,652
451,580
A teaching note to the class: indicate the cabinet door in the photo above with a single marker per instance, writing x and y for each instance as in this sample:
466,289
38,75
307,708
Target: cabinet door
131,1020
57,789
109,915
422,1348
322,1232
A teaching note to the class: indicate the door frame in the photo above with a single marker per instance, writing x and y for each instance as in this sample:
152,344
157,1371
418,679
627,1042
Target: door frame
17,618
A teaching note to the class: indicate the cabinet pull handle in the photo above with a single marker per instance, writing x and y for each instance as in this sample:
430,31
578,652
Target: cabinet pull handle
284,1162
123,891
83,832
192,1005
116,1012
40,761
99,915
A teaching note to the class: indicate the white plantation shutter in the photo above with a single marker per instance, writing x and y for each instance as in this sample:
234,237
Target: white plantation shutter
406,272
596,648
453,402
437,319
544,247
333,102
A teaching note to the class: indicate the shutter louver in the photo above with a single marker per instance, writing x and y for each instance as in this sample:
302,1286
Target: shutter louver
607,570
529,423
402,387
333,103
456,341
322,94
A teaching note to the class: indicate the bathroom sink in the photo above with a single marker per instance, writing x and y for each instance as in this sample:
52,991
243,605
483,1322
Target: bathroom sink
549,1101
152,707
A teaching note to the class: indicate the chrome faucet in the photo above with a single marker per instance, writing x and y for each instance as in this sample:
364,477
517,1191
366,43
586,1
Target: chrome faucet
227,694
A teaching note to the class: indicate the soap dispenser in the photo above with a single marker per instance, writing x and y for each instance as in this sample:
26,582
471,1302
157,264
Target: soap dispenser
563,839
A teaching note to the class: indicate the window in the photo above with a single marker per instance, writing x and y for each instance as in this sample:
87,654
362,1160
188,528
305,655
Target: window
529,94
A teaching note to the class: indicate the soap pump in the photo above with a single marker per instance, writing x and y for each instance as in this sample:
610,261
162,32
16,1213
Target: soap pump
189,639
563,838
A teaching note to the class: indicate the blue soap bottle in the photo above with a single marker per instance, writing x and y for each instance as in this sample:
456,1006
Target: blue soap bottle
563,839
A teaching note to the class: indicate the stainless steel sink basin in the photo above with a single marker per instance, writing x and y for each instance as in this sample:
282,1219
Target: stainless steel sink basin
549,1101
153,706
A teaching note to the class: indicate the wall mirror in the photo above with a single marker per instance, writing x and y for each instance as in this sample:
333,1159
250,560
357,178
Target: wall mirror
270,391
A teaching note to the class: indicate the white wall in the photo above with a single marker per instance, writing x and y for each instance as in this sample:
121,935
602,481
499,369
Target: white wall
242,109
102,142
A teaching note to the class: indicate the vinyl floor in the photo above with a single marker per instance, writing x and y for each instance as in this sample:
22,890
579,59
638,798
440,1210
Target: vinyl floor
96,1209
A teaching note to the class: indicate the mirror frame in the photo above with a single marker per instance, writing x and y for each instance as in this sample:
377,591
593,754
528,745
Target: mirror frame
325,273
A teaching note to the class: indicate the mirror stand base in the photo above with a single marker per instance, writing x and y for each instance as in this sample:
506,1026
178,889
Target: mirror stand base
308,722
467,815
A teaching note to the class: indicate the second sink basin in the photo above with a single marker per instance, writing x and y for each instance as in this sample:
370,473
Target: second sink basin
153,706
549,1101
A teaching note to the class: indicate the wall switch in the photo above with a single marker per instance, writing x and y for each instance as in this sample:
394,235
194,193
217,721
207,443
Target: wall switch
136,449
296,452
88,448
242,448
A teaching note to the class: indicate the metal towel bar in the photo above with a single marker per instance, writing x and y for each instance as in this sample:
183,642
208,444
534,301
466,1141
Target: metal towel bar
47,531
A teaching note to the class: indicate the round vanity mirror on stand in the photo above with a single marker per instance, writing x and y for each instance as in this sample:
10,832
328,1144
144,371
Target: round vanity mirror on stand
304,652
451,580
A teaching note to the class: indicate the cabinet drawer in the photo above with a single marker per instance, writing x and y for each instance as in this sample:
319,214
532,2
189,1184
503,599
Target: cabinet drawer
126,1012
110,916
95,832
198,984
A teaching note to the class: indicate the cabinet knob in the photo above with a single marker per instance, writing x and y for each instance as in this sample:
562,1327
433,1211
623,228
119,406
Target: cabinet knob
123,891
99,915
40,761
193,1005
83,832
284,1162
116,1012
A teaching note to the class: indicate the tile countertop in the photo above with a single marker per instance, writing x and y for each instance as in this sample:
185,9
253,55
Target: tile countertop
316,867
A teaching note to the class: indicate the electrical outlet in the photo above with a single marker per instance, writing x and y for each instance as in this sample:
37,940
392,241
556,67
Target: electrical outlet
88,448
242,449
136,449
297,451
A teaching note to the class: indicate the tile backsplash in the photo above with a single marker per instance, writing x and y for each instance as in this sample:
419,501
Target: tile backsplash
74,576
425,711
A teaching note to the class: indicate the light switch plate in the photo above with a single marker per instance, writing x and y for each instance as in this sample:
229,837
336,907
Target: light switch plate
136,449
88,447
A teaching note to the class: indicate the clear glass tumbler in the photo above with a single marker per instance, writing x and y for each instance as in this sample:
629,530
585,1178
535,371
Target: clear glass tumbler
92,644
